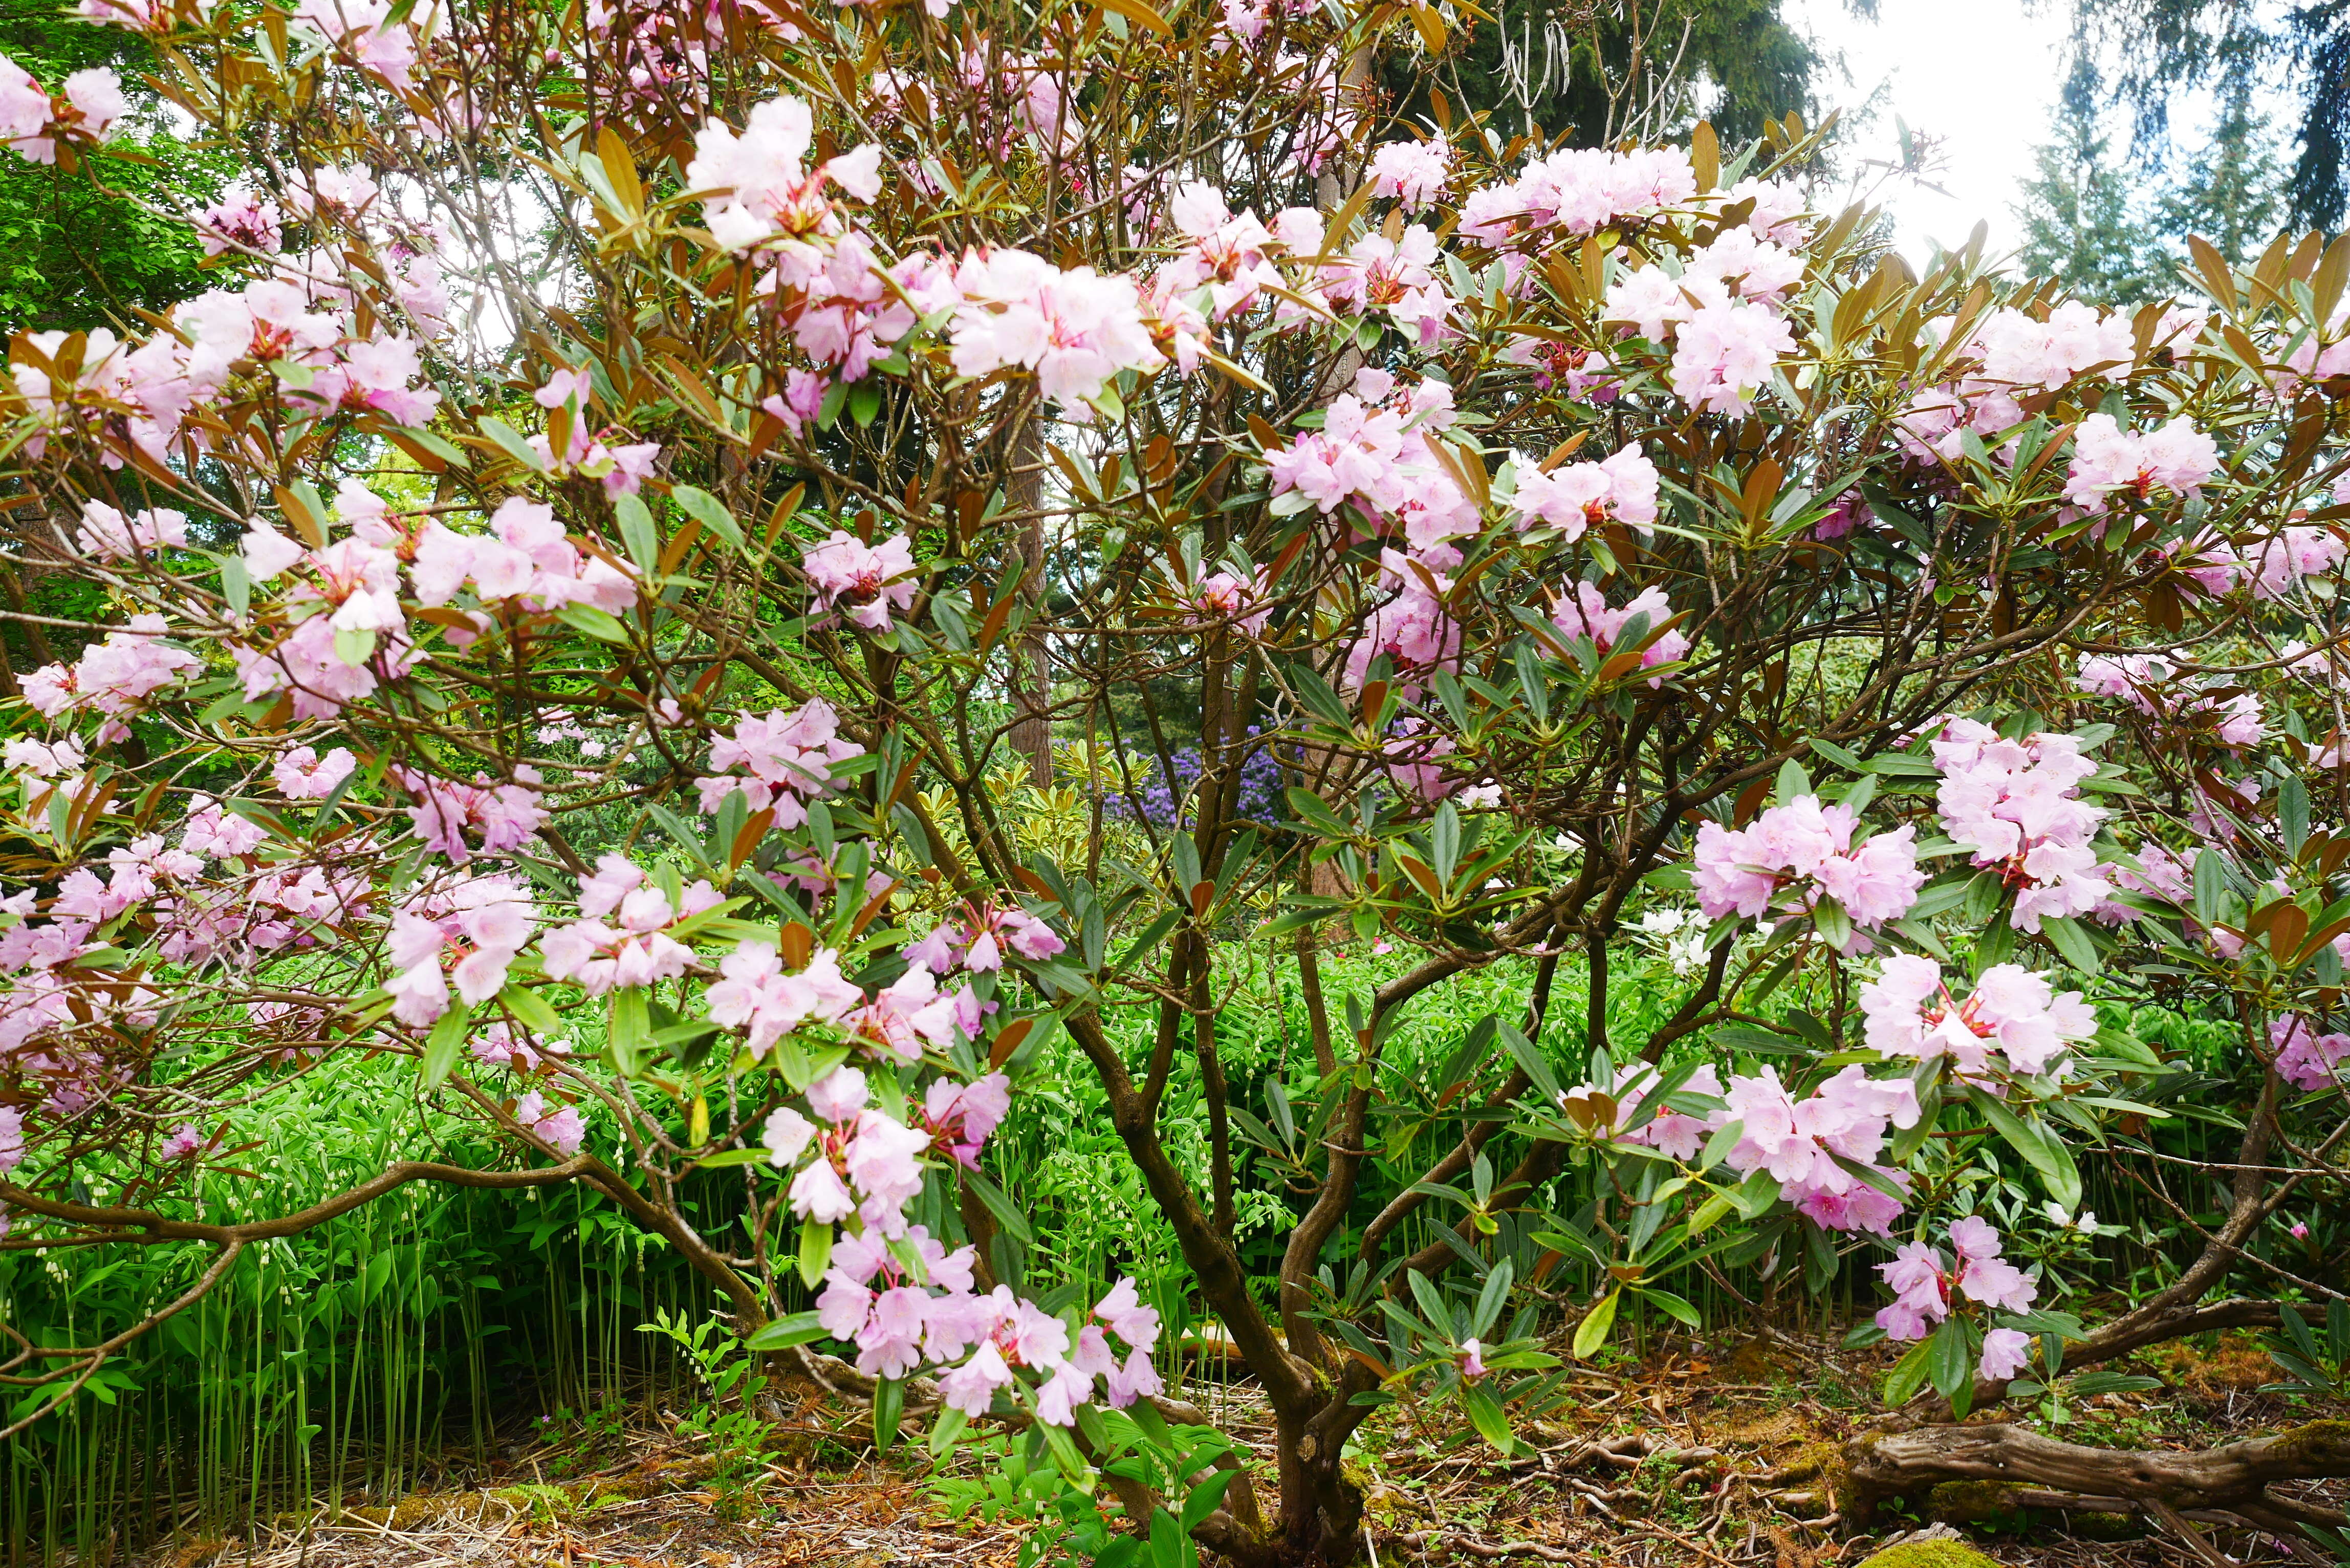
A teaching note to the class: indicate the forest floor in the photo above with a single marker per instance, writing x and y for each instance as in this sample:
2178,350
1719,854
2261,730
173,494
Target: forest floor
1692,1458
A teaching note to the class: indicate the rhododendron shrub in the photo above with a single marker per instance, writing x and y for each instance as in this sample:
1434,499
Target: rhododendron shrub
642,471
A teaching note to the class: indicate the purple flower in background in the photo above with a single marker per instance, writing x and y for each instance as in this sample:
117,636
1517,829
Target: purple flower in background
1161,796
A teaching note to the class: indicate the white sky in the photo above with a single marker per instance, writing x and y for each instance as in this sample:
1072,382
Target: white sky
1982,77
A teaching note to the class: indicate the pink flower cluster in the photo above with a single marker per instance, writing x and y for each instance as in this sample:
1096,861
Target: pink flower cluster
2274,566
1227,600
1373,457
301,774
2017,804
1578,496
754,991
84,110
902,1325
504,816
1412,171
1721,315
2012,354
2111,466
108,536
785,761
1075,329
114,678
1799,852
762,190
465,931
1577,191
1803,1144
2150,683
2012,1012
363,30
1413,629
1585,612
2305,1058
622,469
1926,1292
637,949
869,581
558,1127
981,935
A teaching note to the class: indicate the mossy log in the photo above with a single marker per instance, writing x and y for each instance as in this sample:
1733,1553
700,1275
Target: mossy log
2234,1478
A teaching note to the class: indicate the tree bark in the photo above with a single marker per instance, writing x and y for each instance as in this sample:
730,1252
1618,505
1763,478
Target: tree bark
1884,1465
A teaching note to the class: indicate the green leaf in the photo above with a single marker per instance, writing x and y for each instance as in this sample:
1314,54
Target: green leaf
1673,1306
1206,1498
707,510
1950,1358
2040,1147
440,1047
1170,1544
1908,1376
888,1409
530,1010
816,1250
512,441
1007,1214
1531,1061
945,1428
1592,1332
2067,937
638,532
601,625
799,1328
1486,1415
2293,812
1065,1457
629,1031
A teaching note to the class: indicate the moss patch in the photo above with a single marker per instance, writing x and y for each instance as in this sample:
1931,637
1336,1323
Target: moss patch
1930,1554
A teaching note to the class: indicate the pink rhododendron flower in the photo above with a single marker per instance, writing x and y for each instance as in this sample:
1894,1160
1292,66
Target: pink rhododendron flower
787,757
754,990
2005,1353
503,816
873,580
2305,1058
2011,1011
1413,172
2110,463
637,948
1580,496
465,931
1803,848
302,773
2017,804
1925,1291
1583,612
560,1128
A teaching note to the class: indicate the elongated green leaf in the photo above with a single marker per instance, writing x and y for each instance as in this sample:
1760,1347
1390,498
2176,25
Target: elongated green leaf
628,1030
1486,1415
2041,1148
1007,1214
530,1009
799,1328
1592,1332
512,441
710,511
1908,1376
816,1250
441,1046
